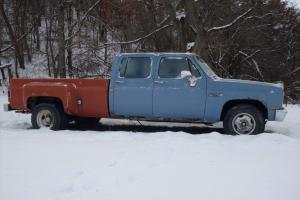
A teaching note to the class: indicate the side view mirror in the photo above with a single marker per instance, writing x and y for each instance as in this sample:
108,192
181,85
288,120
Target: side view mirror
185,74
188,75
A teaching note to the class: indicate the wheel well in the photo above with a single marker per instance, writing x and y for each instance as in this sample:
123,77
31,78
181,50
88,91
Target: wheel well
255,103
33,101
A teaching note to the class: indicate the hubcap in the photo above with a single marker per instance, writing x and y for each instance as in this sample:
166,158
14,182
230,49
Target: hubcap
45,119
243,123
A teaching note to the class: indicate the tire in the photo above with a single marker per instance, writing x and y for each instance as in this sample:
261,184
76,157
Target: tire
244,119
87,121
47,115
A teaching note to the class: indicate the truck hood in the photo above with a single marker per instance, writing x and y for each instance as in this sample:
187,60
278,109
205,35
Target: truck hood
270,94
254,83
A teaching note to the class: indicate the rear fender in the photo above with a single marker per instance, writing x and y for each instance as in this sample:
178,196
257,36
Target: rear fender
66,92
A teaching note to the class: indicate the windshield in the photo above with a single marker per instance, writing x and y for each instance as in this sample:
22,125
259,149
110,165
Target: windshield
206,68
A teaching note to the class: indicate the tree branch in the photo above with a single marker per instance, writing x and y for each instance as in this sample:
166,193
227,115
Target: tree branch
138,39
292,72
231,23
250,56
20,38
81,20
254,62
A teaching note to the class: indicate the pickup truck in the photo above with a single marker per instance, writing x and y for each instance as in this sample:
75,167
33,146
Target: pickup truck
172,87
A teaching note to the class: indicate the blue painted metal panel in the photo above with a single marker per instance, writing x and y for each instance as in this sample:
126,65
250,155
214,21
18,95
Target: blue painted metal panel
176,99
132,97
270,95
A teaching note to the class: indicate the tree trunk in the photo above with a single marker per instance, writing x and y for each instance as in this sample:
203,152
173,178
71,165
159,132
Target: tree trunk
19,49
69,43
61,41
11,34
37,34
47,38
53,60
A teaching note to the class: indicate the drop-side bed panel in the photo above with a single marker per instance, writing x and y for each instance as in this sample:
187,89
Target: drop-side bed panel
92,93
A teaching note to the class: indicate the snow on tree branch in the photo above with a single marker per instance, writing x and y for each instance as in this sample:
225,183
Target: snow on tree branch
18,39
81,20
250,56
138,39
164,20
292,72
217,28
254,62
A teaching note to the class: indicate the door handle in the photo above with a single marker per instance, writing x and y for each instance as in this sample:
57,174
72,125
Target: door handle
159,82
119,81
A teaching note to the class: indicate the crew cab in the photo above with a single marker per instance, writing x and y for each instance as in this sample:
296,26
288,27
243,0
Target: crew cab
175,87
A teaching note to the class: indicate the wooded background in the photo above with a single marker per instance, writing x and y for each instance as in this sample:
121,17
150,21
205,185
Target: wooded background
245,39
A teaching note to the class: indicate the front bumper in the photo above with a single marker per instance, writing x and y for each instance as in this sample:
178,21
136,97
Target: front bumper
280,114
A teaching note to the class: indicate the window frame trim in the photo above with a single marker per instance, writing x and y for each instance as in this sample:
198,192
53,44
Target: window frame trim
126,57
182,57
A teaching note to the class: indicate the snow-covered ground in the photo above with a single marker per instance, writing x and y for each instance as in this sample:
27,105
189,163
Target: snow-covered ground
166,165
295,3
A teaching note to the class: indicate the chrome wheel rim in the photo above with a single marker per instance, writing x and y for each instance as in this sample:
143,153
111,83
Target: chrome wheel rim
45,119
243,124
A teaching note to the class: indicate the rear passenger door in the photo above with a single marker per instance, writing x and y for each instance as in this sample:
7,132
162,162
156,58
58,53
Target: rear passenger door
173,96
133,88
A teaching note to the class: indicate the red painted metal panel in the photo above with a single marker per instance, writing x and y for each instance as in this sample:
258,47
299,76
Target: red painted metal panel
93,94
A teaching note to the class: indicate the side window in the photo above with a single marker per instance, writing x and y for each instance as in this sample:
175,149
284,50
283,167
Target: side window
173,66
123,67
135,67
194,70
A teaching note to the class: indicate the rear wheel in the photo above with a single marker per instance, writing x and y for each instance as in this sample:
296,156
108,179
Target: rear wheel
47,115
244,119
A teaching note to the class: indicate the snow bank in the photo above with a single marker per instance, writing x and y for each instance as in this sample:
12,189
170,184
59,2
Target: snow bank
42,164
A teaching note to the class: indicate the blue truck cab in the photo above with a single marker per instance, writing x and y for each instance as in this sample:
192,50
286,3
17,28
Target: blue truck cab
181,87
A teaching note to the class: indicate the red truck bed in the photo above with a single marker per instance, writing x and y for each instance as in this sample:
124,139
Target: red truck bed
79,97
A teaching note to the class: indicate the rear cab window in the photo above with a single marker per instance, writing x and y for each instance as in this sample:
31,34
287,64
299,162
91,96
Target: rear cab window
135,67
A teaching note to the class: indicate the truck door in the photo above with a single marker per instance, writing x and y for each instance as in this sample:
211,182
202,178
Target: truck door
179,89
133,88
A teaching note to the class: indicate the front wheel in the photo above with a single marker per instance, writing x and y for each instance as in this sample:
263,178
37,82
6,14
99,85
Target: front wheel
244,119
48,116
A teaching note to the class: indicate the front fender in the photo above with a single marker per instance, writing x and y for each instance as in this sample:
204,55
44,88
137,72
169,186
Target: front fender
216,104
